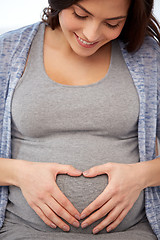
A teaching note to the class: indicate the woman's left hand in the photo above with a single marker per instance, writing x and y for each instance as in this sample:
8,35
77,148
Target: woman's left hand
123,189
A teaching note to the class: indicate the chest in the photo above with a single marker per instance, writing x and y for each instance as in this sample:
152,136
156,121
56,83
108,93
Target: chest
103,107
71,70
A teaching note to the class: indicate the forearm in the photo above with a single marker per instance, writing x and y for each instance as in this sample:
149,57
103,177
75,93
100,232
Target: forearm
9,169
149,172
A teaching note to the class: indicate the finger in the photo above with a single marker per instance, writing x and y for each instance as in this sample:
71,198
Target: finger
64,202
118,220
109,219
51,216
47,221
103,211
112,216
97,170
60,211
68,169
103,198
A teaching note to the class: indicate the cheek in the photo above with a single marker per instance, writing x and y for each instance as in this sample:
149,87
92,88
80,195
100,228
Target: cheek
113,34
67,22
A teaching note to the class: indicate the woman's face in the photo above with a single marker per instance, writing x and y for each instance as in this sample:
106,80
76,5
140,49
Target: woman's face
90,24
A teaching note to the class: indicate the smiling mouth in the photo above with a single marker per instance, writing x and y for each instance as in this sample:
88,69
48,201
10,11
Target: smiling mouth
85,42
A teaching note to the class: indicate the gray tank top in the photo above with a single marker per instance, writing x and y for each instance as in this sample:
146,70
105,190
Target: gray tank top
79,125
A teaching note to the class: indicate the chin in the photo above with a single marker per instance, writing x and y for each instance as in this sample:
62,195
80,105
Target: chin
85,53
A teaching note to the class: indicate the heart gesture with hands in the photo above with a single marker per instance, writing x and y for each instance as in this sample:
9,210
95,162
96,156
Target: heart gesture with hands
118,197
38,185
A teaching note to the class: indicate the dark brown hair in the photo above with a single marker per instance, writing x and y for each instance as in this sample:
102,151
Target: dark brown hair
140,21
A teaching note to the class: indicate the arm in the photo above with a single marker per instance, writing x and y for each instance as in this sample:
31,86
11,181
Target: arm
37,182
150,172
121,192
8,171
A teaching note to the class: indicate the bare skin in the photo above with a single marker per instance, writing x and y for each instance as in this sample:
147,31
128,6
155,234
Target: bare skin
84,71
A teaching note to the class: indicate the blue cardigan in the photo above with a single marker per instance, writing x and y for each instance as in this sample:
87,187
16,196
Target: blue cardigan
144,67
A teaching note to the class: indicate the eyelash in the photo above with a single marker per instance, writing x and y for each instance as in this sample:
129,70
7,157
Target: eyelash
112,26
80,17
84,17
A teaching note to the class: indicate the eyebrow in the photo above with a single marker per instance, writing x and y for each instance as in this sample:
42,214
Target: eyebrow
113,18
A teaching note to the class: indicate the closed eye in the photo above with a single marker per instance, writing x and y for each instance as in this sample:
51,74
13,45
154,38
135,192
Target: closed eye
78,16
107,24
112,26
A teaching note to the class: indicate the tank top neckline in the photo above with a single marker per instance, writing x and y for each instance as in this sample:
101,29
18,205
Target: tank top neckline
42,70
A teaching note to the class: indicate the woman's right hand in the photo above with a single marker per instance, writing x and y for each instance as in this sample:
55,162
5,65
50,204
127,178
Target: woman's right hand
37,182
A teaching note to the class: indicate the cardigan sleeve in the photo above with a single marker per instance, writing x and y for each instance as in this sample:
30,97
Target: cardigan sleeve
14,48
158,97
5,57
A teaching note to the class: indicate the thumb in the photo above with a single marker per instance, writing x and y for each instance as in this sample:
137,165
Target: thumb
70,170
95,171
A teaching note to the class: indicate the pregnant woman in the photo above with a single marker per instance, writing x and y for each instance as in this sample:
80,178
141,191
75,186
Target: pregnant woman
79,119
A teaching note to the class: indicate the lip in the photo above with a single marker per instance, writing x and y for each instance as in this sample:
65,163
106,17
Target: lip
83,44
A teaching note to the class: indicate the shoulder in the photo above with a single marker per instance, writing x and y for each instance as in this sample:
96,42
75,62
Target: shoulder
149,45
144,64
148,52
24,31
150,48
14,46
17,38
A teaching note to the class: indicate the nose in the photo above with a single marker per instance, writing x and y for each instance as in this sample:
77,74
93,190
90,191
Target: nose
91,32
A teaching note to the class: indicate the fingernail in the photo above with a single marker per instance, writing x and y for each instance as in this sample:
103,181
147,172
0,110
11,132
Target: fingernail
77,217
83,216
109,229
85,173
78,171
65,228
96,230
84,225
53,225
76,224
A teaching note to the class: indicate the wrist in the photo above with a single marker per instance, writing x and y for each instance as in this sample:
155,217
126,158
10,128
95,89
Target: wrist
149,173
152,169
16,171
141,170
10,169
19,169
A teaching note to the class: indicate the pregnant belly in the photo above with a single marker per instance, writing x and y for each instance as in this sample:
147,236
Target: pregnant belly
81,192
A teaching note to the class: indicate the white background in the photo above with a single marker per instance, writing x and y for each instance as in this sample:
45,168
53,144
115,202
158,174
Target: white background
18,13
